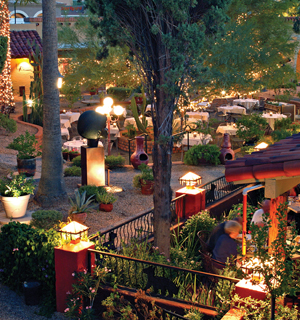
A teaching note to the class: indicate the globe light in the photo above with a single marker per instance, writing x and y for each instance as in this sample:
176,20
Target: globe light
108,101
100,110
118,110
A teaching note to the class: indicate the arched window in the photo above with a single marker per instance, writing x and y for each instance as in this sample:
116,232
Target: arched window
17,15
38,14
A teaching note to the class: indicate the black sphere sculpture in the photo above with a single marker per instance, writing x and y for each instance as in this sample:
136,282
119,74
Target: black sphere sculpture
92,126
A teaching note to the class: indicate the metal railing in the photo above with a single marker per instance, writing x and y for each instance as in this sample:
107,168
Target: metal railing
218,189
139,227
165,281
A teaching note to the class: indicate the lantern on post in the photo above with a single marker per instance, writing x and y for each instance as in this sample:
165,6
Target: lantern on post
74,231
194,196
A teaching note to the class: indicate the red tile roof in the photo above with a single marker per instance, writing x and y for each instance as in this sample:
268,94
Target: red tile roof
19,45
282,159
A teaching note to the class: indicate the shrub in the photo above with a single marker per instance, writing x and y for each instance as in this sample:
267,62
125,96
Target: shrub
106,198
237,210
46,219
119,94
27,253
72,172
16,186
114,161
76,161
10,125
92,190
209,153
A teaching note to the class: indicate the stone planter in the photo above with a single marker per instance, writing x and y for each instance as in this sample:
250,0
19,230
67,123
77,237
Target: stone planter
107,207
15,207
26,166
147,188
79,217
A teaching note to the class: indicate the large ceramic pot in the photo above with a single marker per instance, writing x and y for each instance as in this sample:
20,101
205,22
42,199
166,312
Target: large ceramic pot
79,217
15,207
147,188
26,166
107,207
139,156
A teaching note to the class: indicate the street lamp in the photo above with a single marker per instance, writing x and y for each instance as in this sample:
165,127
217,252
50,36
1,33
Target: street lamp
107,109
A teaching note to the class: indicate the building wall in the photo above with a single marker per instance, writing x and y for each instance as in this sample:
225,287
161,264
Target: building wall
21,75
32,9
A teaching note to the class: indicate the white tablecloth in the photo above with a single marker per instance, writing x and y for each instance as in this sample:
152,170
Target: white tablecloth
65,132
71,116
198,115
131,120
196,139
233,109
74,145
114,131
65,123
227,129
248,103
272,118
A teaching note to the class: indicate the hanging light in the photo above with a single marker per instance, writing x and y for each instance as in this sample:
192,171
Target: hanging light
74,231
190,180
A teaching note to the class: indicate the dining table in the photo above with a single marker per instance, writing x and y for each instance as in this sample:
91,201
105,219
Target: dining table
65,123
196,138
232,109
202,115
272,117
71,116
231,129
248,103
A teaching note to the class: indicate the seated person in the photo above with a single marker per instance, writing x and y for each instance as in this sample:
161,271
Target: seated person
258,214
226,246
218,231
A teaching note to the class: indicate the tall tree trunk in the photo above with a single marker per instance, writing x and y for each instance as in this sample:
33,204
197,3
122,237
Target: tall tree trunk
7,103
51,188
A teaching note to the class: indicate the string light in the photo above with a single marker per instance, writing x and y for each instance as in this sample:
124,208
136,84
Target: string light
6,93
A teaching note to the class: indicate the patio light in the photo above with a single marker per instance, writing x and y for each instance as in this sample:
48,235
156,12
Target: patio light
59,80
190,180
106,109
261,146
74,231
29,103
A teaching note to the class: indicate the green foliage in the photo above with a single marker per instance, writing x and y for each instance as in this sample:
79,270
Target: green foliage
278,135
141,125
81,203
237,211
46,219
85,288
209,153
77,161
260,309
284,129
16,186
26,145
188,235
106,198
136,181
65,150
114,161
10,125
72,172
71,92
145,175
119,93
26,254
131,131
251,127
92,190
3,51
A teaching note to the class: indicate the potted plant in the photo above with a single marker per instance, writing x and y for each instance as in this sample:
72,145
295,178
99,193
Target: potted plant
92,91
15,193
65,154
26,145
80,207
144,180
106,201
73,154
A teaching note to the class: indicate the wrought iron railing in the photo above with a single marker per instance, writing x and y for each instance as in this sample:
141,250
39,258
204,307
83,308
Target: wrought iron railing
218,189
139,227
165,281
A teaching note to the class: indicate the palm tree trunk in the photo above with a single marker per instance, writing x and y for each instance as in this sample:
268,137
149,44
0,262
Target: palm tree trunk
7,103
51,188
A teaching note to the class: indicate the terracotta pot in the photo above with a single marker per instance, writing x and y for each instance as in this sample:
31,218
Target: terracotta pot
139,156
73,155
26,166
107,207
147,188
138,100
65,155
92,93
79,217
15,207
